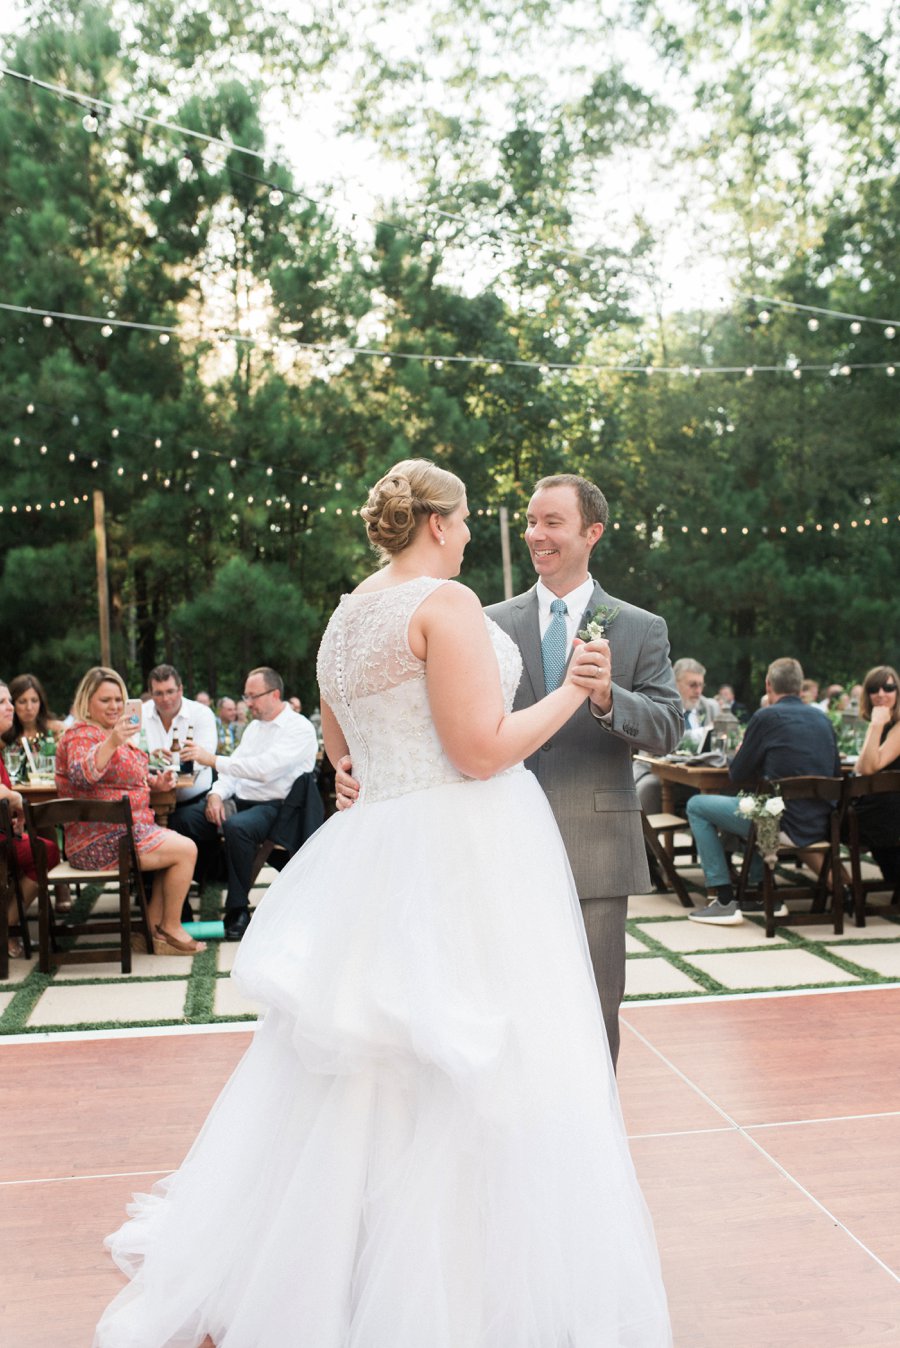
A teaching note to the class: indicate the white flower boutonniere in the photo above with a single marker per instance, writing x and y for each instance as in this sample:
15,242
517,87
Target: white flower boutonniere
597,622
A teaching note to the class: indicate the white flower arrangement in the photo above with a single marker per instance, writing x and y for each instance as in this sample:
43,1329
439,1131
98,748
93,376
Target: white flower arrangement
766,812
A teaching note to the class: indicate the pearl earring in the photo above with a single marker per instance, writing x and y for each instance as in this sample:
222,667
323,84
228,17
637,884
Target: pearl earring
443,541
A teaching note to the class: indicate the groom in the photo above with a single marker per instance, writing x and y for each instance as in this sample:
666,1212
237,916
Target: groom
585,769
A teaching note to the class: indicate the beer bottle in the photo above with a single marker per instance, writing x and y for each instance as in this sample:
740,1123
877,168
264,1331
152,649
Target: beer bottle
187,764
175,755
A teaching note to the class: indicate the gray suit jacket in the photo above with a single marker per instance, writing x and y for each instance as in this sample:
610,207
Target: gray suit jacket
585,769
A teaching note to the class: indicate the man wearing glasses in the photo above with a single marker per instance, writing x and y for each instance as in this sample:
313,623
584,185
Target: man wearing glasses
276,748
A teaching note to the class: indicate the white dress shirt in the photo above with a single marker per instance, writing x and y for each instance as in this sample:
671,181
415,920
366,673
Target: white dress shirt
576,602
190,714
269,759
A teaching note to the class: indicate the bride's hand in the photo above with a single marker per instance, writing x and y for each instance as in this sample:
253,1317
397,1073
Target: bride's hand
590,670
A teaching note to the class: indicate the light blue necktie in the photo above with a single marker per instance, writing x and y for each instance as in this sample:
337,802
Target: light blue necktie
554,647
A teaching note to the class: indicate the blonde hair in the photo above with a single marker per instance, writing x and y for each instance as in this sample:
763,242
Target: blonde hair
88,687
406,495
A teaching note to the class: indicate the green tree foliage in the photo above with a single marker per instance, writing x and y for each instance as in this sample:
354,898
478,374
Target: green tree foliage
462,317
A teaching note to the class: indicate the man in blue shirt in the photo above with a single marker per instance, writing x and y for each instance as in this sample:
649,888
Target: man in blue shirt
787,738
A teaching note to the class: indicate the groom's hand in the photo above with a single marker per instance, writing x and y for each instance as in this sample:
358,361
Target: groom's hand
346,788
591,669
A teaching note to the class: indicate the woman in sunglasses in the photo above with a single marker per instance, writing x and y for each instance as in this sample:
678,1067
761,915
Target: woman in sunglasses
879,816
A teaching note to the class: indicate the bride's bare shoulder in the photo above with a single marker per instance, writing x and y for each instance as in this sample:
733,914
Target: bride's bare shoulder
454,598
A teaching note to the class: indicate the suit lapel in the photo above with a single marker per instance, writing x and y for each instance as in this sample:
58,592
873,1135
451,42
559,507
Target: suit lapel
527,636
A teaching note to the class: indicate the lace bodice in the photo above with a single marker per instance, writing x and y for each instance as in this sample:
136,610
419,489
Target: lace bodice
375,686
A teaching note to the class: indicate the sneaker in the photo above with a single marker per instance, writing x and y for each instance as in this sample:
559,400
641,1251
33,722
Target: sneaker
757,906
722,914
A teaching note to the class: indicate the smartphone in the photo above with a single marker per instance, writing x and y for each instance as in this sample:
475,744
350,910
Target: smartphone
133,711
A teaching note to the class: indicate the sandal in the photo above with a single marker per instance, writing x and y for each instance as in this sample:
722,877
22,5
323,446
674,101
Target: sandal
15,949
165,944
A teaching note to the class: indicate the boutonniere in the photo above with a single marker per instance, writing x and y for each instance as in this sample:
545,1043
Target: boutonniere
597,622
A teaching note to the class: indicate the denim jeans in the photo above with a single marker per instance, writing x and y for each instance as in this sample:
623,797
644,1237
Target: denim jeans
710,816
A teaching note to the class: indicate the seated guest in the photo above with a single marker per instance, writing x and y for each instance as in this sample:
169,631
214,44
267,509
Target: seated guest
728,703
699,713
787,738
810,691
170,715
203,698
32,720
228,730
97,760
879,816
20,841
277,747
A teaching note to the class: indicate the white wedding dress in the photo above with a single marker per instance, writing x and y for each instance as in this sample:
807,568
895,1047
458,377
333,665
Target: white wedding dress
422,1147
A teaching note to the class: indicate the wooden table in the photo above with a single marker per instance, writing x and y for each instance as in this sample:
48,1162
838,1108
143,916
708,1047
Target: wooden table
162,803
702,777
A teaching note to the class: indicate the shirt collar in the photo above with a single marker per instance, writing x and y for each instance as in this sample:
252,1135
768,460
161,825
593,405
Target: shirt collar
576,601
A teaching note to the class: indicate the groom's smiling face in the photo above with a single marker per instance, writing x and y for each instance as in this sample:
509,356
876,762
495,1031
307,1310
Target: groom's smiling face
559,541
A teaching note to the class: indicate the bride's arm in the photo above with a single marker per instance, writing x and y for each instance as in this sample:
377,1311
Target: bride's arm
335,744
464,690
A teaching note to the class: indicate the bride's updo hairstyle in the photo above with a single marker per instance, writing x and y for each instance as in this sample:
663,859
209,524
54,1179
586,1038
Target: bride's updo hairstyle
403,498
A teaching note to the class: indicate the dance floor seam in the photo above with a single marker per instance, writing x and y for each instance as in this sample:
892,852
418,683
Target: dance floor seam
745,1131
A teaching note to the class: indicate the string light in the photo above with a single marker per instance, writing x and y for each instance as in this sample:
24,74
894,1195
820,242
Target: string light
544,368
90,123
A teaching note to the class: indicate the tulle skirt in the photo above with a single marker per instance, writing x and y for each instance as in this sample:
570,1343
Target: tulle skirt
422,1147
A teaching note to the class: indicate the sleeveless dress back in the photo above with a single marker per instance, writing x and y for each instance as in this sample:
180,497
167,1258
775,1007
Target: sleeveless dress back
422,1147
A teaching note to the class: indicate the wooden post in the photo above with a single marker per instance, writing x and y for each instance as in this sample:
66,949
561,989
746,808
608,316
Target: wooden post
102,577
504,553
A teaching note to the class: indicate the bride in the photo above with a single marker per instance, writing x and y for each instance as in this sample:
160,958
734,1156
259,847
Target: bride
422,1147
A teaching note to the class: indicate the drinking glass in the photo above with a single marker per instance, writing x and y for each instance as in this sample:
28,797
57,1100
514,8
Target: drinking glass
13,757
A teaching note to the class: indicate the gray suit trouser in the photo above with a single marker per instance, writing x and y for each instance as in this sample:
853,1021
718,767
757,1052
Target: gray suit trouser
604,922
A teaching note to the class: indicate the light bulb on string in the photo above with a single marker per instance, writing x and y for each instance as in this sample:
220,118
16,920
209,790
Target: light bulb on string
164,339
856,328
813,325
47,321
890,333
276,197
89,122
185,168
106,330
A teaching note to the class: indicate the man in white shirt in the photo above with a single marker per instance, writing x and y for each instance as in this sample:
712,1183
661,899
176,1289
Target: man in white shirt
169,714
276,748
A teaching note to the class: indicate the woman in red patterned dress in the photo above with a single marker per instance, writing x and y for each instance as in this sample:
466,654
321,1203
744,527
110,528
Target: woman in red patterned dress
21,842
96,760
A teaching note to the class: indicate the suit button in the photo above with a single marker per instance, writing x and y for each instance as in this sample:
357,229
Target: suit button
548,745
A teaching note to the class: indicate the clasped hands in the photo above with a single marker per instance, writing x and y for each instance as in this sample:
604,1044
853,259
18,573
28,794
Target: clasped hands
590,669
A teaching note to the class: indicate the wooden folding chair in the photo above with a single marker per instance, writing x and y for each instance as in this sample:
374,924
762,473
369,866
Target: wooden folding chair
658,830
859,788
43,821
829,789
301,813
10,888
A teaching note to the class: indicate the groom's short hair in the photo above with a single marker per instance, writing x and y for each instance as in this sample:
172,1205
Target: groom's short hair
591,501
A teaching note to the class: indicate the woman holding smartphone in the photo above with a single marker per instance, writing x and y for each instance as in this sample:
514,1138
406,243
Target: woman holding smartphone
96,759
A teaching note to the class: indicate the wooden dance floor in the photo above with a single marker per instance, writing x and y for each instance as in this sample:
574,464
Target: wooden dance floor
765,1130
